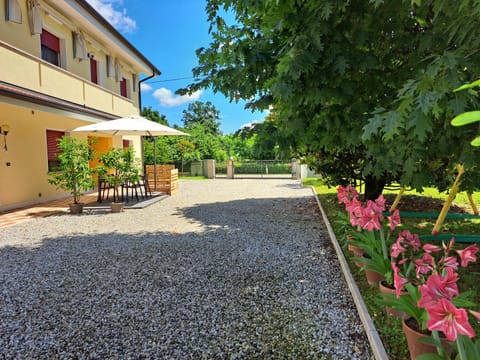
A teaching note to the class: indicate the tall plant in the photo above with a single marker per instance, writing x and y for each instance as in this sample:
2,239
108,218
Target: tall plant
73,173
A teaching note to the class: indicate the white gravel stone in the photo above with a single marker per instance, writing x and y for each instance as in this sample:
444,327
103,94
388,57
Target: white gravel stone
225,269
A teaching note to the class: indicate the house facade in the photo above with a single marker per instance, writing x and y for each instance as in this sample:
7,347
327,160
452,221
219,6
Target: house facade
61,66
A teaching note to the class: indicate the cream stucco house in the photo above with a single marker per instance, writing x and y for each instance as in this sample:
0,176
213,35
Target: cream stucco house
62,65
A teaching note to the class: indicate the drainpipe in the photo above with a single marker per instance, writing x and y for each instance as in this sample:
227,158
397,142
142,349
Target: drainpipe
154,73
140,88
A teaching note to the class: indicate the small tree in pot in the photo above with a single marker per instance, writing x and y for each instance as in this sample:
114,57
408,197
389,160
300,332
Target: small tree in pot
73,173
117,165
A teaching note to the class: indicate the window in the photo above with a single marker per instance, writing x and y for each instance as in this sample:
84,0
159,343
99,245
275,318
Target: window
127,144
52,148
50,48
93,70
124,87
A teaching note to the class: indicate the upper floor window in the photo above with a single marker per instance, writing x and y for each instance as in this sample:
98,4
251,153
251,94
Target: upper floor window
50,48
124,87
93,70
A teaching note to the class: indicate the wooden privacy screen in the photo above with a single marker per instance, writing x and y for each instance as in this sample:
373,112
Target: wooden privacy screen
167,178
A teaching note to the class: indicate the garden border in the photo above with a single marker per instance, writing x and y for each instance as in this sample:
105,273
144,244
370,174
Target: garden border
375,342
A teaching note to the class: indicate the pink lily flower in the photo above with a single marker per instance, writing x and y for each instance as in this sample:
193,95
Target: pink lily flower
397,249
445,317
449,262
438,287
342,194
394,220
424,265
370,220
429,248
467,255
380,204
476,314
398,281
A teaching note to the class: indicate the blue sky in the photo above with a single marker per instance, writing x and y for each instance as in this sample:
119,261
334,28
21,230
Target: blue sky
168,32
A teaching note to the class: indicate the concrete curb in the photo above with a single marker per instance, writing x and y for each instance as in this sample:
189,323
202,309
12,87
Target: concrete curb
372,334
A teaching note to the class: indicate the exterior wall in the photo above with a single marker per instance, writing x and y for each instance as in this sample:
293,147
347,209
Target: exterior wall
19,37
24,167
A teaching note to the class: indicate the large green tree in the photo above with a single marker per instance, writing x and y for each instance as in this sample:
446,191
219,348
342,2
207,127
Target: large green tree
205,114
367,84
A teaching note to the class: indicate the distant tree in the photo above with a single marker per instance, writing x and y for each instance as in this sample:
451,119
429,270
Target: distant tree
154,115
184,148
205,114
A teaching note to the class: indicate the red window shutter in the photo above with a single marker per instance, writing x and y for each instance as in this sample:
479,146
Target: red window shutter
93,71
49,40
52,144
127,143
123,87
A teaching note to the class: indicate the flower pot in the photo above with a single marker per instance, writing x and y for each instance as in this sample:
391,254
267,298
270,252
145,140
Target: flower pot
117,207
415,346
357,252
373,278
76,208
384,289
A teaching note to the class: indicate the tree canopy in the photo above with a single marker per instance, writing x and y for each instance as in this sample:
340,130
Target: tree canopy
366,84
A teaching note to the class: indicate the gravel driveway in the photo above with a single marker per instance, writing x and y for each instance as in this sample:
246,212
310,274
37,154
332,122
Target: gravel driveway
225,269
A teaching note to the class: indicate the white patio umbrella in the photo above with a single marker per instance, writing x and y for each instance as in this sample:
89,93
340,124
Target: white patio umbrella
132,125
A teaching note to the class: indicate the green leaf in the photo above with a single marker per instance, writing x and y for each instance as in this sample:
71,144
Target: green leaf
372,127
466,118
476,141
468,86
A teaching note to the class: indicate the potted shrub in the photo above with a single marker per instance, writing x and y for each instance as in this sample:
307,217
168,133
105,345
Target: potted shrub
73,173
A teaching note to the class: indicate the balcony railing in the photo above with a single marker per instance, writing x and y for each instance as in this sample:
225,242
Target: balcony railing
22,69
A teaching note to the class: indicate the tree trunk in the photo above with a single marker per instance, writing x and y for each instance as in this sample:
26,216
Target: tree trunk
373,187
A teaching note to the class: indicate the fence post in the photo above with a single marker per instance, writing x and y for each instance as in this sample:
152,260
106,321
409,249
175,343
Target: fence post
230,169
210,168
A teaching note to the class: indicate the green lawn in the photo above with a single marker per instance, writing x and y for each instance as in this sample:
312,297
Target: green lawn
390,328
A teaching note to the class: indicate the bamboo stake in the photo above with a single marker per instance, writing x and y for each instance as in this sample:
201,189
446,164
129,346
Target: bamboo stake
397,199
448,202
472,204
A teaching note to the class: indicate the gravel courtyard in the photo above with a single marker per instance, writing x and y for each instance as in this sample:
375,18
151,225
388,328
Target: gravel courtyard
225,269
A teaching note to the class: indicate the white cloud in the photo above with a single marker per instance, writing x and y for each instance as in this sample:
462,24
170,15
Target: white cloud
167,98
145,87
111,10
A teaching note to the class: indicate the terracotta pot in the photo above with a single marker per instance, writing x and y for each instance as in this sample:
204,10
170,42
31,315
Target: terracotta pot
388,290
373,278
357,252
415,346
76,208
117,207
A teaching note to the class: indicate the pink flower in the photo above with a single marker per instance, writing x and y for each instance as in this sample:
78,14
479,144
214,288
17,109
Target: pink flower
429,248
467,255
380,204
449,262
476,314
448,247
342,194
394,220
370,219
438,287
397,249
424,265
409,239
398,281
445,317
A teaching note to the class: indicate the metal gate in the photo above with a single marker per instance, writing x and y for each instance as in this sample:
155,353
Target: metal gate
259,169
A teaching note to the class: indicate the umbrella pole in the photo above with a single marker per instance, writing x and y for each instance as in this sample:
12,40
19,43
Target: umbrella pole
155,163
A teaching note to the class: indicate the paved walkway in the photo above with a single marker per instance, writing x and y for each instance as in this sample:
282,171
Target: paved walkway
225,269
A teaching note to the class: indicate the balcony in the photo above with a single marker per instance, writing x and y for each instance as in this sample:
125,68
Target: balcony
24,70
